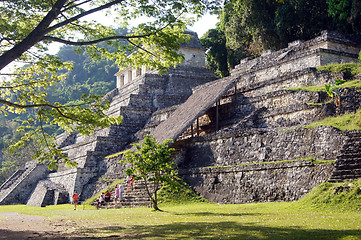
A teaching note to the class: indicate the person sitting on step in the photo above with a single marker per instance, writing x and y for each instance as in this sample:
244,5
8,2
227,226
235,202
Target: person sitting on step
100,200
108,196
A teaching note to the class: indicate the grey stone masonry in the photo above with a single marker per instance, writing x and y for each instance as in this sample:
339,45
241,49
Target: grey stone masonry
329,47
348,162
48,193
287,181
257,145
18,188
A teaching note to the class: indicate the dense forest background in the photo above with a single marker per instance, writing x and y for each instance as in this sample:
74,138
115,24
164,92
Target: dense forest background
86,77
248,27
245,29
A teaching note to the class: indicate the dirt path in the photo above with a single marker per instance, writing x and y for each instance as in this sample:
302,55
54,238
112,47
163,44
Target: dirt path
18,226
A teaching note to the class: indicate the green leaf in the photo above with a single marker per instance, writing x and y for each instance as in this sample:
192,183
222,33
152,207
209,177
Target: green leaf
328,90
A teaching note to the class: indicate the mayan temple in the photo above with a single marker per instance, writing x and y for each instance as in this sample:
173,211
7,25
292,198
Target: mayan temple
239,139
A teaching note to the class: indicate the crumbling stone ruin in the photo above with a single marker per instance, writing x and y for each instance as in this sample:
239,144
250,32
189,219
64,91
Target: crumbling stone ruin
239,139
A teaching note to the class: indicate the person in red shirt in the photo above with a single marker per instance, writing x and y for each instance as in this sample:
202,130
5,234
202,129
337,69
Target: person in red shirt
130,182
107,196
75,199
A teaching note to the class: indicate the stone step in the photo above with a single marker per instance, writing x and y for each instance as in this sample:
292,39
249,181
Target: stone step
344,178
125,203
350,155
346,172
348,162
354,167
137,197
351,147
12,179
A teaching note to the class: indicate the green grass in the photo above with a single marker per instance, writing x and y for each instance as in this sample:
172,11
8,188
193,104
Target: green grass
319,215
350,69
338,197
342,122
321,88
316,88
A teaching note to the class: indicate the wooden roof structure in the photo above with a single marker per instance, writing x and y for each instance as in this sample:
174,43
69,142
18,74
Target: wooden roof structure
197,104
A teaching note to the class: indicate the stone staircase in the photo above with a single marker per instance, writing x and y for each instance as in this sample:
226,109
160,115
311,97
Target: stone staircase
11,180
348,163
137,197
19,186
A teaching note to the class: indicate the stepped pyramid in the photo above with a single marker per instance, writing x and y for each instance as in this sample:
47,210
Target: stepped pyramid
139,93
243,138
239,139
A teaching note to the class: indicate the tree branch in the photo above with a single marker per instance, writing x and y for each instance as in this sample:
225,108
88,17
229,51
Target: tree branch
137,46
42,130
68,6
43,28
15,105
34,37
105,6
55,39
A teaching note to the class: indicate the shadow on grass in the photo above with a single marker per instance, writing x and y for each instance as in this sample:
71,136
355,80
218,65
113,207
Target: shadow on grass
216,214
220,230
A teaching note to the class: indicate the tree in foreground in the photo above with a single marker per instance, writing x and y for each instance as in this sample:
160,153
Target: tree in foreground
28,27
152,163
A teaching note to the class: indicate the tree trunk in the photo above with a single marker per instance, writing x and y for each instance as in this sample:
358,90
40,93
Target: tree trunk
34,37
155,201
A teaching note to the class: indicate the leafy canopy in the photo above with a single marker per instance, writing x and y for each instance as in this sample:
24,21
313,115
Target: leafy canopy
28,27
152,163
248,27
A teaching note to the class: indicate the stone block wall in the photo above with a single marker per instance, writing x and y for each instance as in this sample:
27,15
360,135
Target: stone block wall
48,193
270,182
246,146
20,190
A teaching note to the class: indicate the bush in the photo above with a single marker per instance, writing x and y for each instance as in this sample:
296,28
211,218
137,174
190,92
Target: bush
178,194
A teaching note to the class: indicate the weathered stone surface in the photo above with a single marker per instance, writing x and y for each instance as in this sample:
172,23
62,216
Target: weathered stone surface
18,188
48,193
348,162
257,182
262,145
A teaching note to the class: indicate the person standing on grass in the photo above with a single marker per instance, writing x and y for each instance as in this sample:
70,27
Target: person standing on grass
75,199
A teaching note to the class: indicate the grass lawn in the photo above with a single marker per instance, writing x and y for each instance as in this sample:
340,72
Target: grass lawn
278,220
